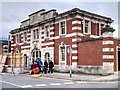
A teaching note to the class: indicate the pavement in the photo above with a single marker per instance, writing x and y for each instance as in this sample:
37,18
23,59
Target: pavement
45,81
79,77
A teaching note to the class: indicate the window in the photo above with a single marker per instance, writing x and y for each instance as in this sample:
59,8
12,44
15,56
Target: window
47,56
34,34
36,53
62,53
47,32
25,36
37,34
17,38
62,27
102,26
86,26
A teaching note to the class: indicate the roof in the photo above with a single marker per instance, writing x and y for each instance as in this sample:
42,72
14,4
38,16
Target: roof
86,13
67,13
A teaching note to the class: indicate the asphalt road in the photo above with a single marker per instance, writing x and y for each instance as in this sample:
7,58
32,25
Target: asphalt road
26,81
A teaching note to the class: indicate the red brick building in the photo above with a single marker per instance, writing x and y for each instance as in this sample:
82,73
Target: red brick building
48,35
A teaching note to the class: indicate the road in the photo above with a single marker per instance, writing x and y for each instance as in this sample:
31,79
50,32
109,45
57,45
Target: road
26,81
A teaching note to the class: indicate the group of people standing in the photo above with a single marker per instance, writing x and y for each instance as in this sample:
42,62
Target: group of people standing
38,67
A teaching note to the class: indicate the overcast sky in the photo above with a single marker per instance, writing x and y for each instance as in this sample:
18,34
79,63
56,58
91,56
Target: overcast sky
15,12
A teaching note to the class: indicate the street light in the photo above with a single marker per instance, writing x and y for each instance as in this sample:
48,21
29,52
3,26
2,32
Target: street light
70,52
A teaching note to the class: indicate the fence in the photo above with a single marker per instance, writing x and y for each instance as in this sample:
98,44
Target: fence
14,59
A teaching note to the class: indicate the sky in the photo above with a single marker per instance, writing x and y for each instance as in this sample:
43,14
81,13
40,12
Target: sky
15,12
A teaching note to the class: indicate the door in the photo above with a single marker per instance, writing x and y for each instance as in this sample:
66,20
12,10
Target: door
119,59
25,61
47,56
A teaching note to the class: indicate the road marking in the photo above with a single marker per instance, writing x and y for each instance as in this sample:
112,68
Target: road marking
55,84
45,78
41,85
10,83
68,83
26,86
67,80
97,82
105,82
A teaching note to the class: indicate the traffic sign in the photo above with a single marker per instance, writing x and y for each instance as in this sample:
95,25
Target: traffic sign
69,50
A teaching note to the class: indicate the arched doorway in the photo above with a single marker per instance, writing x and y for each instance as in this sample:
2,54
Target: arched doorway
118,58
25,61
36,53
47,56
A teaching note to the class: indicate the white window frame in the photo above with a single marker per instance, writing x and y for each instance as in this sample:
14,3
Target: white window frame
17,38
100,27
47,30
24,36
89,26
60,61
60,27
34,34
36,37
37,34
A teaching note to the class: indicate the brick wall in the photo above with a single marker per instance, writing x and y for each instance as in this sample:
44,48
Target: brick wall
90,53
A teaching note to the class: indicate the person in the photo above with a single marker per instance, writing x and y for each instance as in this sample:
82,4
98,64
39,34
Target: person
45,66
39,61
51,65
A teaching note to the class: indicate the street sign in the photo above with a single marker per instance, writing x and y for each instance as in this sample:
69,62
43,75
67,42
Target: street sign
69,50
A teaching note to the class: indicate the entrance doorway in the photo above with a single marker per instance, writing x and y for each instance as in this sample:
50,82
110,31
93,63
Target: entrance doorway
36,53
25,61
47,56
119,59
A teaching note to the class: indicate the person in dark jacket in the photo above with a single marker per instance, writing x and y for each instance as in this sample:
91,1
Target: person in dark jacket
51,65
45,66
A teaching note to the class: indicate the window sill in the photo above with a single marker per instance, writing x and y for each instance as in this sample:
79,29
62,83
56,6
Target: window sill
36,40
62,36
47,38
87,34
25,42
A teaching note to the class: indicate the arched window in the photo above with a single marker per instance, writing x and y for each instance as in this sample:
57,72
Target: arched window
25,60
36,53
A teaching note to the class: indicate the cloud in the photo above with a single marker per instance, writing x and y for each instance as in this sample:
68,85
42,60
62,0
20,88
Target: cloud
15,12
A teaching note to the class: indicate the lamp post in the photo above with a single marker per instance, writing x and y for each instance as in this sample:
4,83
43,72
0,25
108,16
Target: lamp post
12,64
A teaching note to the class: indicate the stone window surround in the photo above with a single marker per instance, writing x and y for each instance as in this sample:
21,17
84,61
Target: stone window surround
64,20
